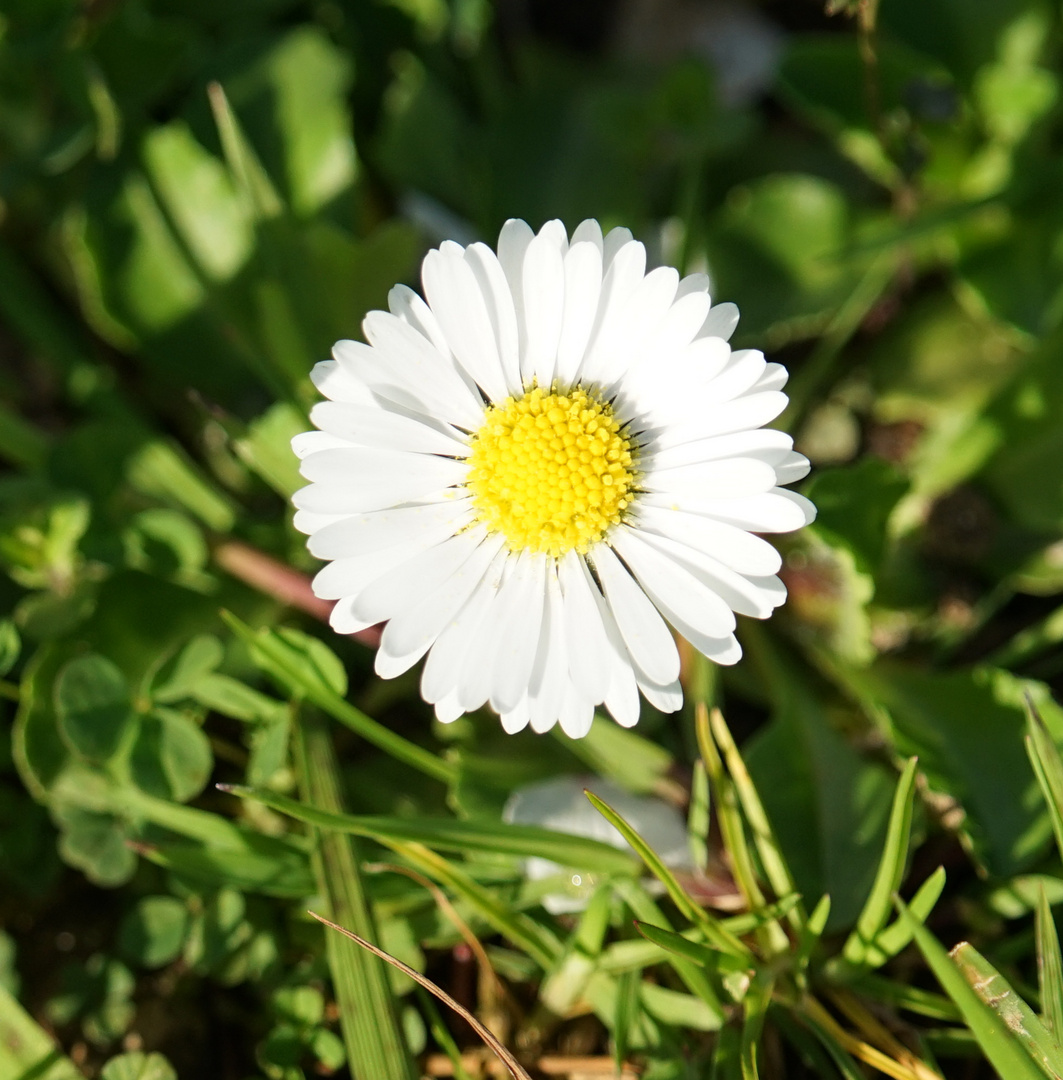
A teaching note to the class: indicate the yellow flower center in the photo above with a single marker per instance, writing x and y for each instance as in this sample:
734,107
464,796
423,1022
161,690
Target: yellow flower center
551,472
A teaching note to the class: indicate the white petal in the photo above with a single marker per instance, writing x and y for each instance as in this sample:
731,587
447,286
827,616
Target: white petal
348,577
665,698
622,341
410,633
756,597
549,676
500,307
456,301
340,383
543,282
720,322
521,616
725,479
792,468
516,719
343,620
310,442
622,277
693,283
577,714
641,626
368,426
589,231
614,240
448,709
403,359
767,444
412,310
775,377
405,586
677,593
775,511
736,548
751,411
361,533
513,242
588,646
744,369
442,670
622,701
307,521
583,289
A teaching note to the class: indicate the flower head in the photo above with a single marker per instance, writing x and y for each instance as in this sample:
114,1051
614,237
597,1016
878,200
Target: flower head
525,473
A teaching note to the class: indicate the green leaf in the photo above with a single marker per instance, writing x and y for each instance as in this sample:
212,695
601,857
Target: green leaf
26,1049
1049,967
153,933
368,1014
10,646
636,763
897,935
1047,766
171,757
266,448
92,704
451,835
890,870
194,663
720,937
261,867
998,1042
315,672
138,1066
97,844
672,942
1021,1021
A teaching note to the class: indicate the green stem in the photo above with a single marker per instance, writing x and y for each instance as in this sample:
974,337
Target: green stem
369,1020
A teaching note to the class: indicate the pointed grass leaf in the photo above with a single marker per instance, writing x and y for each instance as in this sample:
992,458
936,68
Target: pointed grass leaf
720,937
1000,1044
369,1016
1047,766
890,871
503,1054
278,870
1049,967
896,936
754,1012
1020,1019
285,660
453,835
92,705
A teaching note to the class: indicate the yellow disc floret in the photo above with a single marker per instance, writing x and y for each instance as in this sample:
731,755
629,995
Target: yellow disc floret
551,471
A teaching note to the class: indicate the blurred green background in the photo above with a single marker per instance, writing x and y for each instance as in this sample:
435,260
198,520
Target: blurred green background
197,199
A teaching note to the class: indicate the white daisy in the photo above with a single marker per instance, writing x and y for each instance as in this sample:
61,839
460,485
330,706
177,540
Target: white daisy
526,473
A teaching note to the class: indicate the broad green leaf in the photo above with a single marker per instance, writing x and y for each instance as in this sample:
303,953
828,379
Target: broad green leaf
10,646
138,1066
266,449
184,673
890,870
1021,1021
97,844
966,728
453,835
171,757
92,705
999,1043
1049,967
153,932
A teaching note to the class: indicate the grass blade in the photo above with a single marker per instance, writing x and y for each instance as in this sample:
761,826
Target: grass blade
755,1005
999,1044
771,856
1021,1020
1047,766
580,852
720,937
368,1017
26,1049
496,1046
1049,966
894,938
890,873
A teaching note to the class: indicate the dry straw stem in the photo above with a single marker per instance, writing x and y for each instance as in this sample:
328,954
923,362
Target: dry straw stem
488,1037
560,1065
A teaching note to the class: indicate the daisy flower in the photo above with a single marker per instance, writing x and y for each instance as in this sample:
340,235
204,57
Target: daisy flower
531,472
